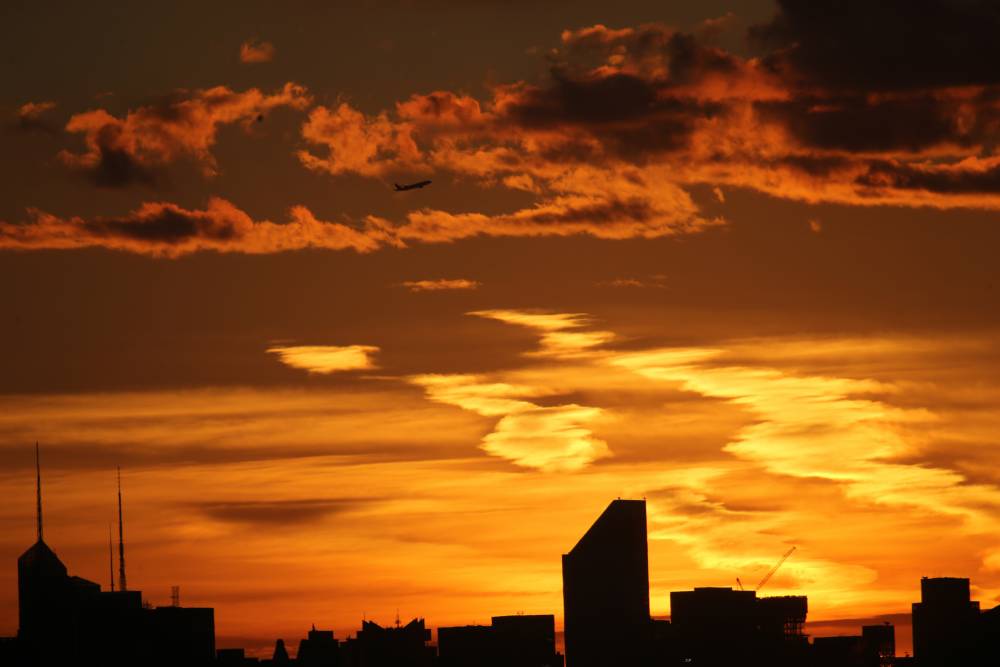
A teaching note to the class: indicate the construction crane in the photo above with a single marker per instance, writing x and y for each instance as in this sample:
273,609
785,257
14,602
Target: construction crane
739,583
767,577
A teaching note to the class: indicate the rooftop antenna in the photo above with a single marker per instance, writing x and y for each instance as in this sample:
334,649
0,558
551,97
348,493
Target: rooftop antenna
175,596
121,537
111,560
397,617
38,491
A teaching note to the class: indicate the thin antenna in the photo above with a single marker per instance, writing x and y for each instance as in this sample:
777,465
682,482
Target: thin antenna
121,537
38,491
175,596
111,560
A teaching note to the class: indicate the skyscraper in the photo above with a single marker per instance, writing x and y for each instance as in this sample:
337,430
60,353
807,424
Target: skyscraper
49,598
945,622
606,590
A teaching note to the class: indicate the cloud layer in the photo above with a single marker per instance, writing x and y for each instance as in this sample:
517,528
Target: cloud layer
611,142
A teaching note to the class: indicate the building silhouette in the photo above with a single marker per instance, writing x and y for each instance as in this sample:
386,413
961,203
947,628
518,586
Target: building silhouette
723,626
466,646
844,651
378,646
68,620
510,641
526,641
318,649
232,657
948,627
879,644
606,590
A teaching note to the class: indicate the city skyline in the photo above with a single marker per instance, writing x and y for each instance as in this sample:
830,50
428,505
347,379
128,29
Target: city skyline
66,619
604,577
702,254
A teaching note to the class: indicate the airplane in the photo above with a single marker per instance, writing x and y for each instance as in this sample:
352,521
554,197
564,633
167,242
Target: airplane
411,186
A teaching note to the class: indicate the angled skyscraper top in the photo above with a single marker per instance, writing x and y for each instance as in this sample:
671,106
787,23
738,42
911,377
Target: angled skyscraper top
606,590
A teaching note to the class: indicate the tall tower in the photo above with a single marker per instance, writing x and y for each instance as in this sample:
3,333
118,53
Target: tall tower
606,590
42,583
38,492
111,561
121,537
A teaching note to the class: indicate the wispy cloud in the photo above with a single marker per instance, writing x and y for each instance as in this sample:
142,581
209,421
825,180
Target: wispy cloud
441,284
560,332
326,359
657,281
550,438
272,514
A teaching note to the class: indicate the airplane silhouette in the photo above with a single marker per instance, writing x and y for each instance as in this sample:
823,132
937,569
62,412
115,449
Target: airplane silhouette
411,186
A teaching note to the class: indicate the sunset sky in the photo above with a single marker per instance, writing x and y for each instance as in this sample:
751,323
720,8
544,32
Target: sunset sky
738,258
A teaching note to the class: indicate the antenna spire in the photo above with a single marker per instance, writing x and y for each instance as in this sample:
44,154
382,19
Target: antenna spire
121,537
38,491
111,560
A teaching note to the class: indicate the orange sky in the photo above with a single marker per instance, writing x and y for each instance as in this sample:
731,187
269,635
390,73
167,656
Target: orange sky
700,257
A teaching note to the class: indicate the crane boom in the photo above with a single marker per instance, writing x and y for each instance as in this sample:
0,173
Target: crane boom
767,577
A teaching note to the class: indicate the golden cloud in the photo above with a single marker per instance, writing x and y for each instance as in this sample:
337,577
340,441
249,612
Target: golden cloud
554,438
326,359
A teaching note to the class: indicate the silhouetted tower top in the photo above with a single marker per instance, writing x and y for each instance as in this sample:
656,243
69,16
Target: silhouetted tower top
945,590
41,576
606,589
39,557
111,560
622,520
280,655
121,537
38,491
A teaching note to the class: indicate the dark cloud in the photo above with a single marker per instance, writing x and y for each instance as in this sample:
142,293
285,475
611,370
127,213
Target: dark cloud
281,512
885,45
858,124
931,178
591,101
628,116
116,168
167,230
